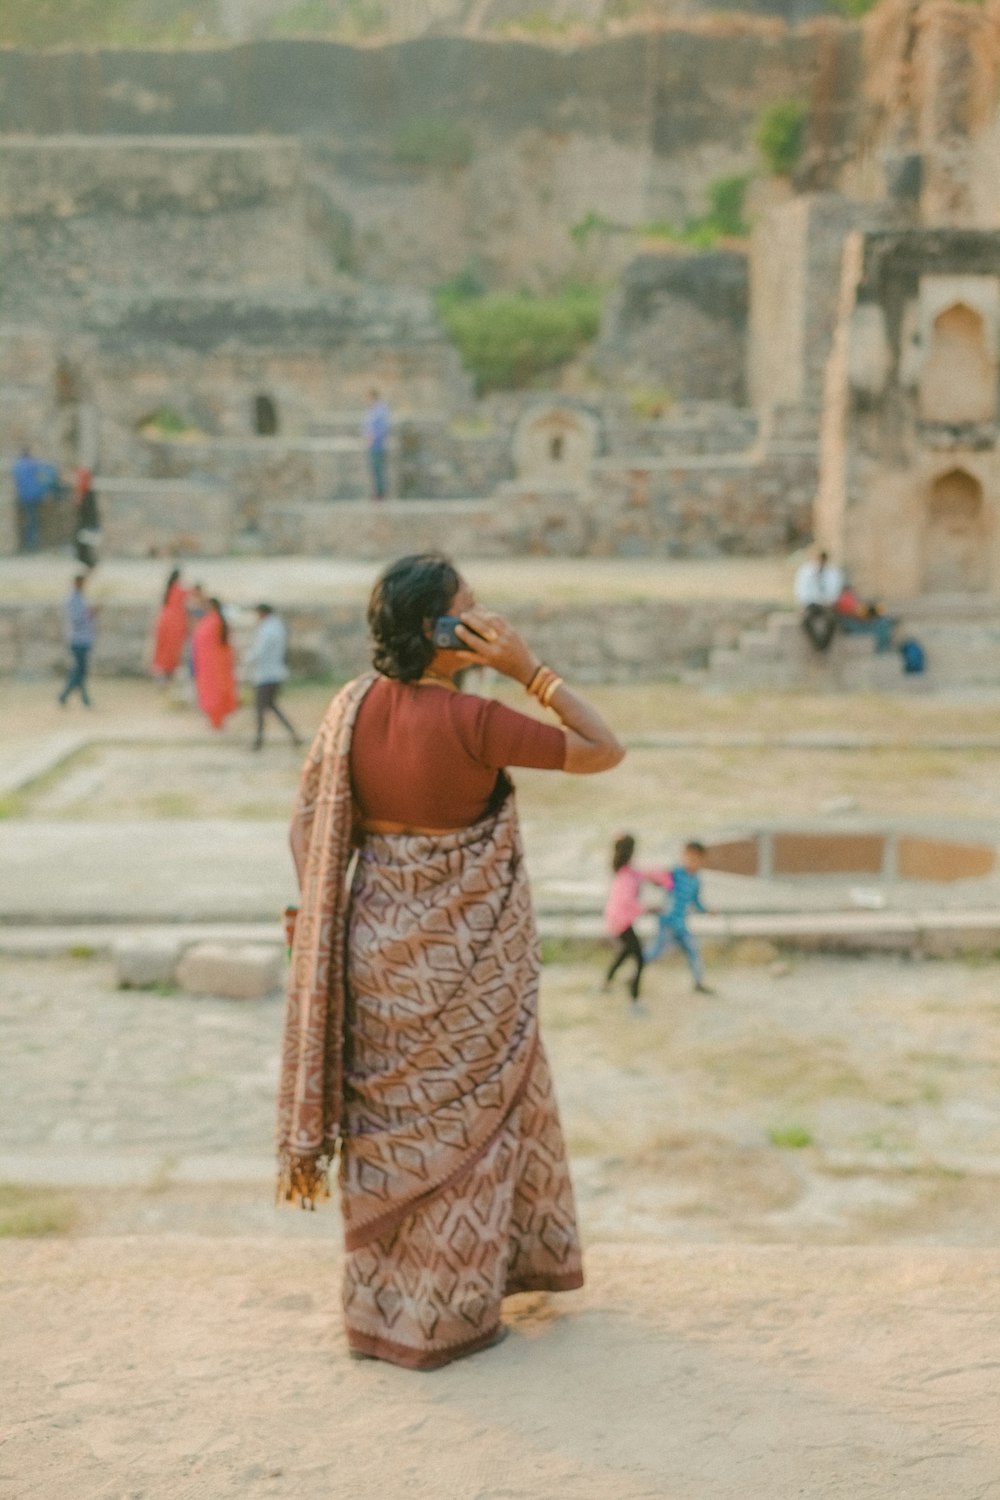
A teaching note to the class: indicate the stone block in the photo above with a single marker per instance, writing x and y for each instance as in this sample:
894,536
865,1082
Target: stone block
234,971
143,962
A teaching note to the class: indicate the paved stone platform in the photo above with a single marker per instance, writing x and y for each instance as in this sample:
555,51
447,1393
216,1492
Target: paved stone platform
184,1367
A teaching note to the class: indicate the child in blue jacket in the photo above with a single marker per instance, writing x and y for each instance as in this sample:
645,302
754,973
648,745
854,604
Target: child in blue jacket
672,921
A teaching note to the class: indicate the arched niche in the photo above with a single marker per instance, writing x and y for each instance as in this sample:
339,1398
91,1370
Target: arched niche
958,382
956,554
265,416
555,443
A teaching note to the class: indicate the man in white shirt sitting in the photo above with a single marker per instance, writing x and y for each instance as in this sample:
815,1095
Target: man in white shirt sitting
269,670
818,586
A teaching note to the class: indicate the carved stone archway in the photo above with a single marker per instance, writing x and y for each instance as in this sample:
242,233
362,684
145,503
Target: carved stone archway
956,554
555,443
958,381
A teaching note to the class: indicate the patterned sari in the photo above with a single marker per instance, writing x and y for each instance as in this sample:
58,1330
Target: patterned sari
411,1037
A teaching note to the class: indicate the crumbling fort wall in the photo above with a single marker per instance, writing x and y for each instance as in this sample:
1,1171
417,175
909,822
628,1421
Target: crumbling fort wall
631,130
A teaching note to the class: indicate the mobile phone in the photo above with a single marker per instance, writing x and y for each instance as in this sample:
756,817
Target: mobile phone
443,635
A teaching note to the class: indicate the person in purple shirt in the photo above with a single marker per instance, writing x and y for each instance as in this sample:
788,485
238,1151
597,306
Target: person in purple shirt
33,480
378,425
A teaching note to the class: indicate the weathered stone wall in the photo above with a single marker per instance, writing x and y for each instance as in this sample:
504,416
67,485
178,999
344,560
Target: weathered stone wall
794,291
80,213
206,359
679,321
910,493
750,505
632,129
593,642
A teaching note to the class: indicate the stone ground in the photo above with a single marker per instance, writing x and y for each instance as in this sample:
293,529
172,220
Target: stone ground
99,796
286,580
822,1100
788,1191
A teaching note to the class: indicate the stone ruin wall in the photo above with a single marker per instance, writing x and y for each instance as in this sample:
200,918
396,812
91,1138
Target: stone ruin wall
631,129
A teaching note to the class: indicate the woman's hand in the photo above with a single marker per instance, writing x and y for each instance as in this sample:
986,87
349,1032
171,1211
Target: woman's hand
493,642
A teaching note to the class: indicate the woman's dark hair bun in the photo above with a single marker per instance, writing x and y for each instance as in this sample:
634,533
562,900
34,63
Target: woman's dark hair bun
411,593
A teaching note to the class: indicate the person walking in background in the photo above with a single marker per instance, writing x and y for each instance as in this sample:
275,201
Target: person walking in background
622,910
33,480
87,525
377,427
269,670
818,585
80,620
214,666
171,629
672,928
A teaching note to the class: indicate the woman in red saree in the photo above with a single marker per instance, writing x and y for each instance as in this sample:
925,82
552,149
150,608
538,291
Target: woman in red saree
214,666
171,628
411,1029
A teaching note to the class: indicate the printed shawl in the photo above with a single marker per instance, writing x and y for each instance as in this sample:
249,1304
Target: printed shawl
310,1094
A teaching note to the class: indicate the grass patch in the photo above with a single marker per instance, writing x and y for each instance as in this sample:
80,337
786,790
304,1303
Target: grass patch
724,219
507,339
571,950
790,1137
29,1212
82,950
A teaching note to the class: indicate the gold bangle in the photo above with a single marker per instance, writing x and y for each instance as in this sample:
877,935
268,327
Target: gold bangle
553,687
529,686
540,682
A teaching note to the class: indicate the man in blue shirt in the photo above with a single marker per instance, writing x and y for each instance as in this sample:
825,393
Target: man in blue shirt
672,923
269,670
79,618
33,480
377,428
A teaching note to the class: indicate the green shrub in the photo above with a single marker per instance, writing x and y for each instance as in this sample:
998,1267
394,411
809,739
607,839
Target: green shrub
467,283
507,339
726,197
591,223
433,141
724,219
781,134
165,423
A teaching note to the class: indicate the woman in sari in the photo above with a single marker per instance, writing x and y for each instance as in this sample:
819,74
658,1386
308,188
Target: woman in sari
214,666
171,628
411,1030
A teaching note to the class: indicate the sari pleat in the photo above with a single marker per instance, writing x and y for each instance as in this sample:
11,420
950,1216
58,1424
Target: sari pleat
454,1181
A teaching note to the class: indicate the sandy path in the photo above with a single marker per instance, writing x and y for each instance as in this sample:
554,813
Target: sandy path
188,1367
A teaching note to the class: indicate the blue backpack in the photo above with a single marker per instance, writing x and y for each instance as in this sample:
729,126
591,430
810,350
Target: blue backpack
914,657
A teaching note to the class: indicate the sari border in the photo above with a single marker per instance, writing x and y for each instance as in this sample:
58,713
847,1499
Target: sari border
426,1360
363,1234
409,1358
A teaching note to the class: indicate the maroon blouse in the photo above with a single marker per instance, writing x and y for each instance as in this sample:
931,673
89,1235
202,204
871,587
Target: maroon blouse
427,757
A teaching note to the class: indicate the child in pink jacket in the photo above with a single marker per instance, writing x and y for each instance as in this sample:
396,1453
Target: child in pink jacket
624,906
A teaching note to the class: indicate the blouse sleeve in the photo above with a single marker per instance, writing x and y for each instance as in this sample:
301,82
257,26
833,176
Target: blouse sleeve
502,737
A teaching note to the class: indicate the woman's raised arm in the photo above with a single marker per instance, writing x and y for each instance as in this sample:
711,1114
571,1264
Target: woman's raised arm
591,745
